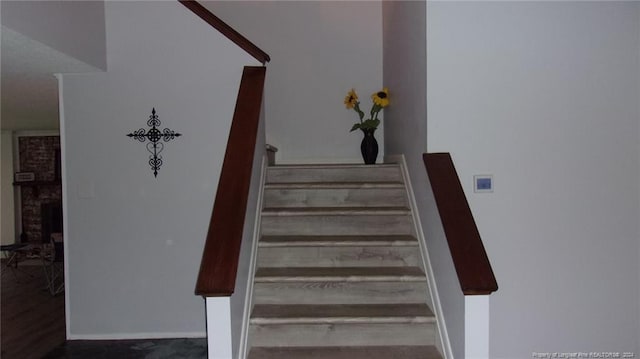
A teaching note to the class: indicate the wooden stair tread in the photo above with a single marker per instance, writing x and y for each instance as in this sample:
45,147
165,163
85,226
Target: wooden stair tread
339,274
336,211
334,173
338,241
333,185
346,352
332,165
341,313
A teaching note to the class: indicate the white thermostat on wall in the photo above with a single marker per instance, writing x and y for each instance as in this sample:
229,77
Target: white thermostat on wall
482,183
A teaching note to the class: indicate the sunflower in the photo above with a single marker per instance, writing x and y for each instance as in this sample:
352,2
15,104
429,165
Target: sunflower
351,100
381,98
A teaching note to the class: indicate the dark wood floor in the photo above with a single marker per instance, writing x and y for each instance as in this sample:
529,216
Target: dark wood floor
32,321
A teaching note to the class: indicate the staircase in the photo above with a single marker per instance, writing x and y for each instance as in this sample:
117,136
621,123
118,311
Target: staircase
339,271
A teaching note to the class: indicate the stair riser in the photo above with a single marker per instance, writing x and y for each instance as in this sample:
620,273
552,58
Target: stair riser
346,174
338,257
341,334
340,292
358,197
337,225
347,352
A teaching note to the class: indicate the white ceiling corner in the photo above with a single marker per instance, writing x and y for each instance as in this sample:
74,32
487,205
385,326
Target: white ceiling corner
29,90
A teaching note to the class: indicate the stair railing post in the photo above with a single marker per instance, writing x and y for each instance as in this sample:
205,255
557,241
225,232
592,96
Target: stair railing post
476,326
219,327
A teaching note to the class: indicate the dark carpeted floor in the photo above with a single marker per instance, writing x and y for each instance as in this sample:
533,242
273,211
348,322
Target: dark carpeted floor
132,349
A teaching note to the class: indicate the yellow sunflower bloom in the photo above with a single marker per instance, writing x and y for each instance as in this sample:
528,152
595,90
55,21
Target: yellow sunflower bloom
381,98
351,99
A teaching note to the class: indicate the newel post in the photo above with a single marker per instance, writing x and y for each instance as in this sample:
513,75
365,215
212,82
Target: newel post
476,326
219,327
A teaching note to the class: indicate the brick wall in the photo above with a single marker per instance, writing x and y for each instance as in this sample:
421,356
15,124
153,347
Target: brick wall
38,155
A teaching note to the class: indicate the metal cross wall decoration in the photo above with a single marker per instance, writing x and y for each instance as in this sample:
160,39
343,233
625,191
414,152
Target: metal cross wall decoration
154,135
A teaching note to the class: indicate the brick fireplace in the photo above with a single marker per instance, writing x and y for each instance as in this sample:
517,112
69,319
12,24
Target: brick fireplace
41,200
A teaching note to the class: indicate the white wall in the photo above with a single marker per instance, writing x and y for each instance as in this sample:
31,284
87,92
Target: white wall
544,96
75,28
319,50
405,52
7,211
134,242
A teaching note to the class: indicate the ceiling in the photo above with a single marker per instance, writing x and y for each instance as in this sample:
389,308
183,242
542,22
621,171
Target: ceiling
29,89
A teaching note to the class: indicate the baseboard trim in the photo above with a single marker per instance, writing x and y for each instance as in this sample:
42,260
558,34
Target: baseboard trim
130,336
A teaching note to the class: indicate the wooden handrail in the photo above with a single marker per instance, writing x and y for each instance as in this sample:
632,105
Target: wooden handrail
226,30
469,256
217,276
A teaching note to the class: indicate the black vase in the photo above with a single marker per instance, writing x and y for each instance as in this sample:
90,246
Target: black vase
369,147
